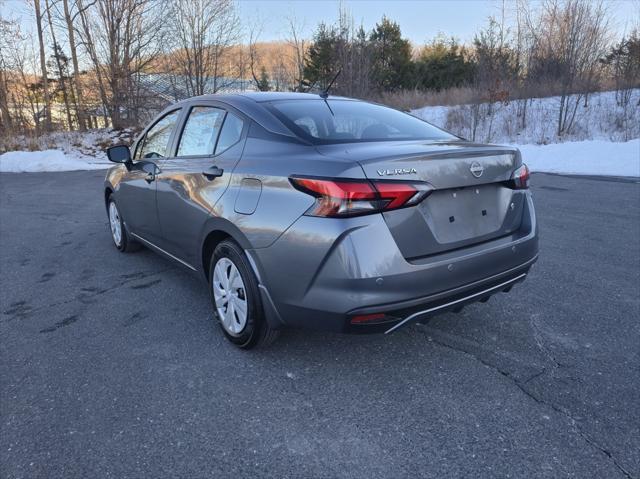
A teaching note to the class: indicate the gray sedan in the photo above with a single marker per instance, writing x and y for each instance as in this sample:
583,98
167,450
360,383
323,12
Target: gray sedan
326,213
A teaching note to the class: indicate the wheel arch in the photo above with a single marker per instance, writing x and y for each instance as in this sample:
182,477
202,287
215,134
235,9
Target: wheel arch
215,231
108,191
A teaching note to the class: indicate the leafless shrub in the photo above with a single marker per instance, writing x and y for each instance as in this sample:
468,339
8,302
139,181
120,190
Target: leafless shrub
570,38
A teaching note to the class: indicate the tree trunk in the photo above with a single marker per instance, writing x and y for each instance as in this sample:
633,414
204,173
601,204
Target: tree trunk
43,67
561,114
76,71
5,115
57,51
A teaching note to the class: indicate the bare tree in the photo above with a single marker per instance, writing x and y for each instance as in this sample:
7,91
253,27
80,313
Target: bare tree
525,48
354,56
43,65
121,38
254,58
86,35
79,97
204,31
623,60
571,38
8,35
25,88
57,54
299,49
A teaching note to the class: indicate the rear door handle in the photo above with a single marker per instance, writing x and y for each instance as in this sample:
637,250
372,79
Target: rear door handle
213,172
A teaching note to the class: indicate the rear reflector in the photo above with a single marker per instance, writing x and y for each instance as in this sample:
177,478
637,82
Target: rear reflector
342,198
368,318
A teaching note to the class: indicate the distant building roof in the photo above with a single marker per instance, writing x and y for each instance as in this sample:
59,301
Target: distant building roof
174,87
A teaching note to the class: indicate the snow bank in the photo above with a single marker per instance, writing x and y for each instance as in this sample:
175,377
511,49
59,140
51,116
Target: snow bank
63,150
601,119
49,160
604,140
595,157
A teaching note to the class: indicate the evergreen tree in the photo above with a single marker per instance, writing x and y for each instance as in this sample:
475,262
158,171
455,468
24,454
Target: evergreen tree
391,57
263,81
443,64
322,61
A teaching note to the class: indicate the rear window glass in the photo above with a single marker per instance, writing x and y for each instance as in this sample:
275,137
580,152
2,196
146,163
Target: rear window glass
344,121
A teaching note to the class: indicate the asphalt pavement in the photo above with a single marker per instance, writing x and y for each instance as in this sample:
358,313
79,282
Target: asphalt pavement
111,364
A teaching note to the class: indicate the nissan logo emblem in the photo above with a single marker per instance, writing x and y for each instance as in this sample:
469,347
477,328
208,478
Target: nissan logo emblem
476,169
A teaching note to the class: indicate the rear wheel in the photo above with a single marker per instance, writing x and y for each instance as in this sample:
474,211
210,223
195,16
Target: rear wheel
236,298
119,233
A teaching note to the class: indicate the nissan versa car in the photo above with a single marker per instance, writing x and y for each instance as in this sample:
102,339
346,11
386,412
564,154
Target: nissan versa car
319,212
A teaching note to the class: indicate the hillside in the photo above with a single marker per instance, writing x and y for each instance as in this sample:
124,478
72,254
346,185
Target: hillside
601,119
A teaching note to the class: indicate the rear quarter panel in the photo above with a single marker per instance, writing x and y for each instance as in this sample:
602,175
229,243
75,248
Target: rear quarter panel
271,161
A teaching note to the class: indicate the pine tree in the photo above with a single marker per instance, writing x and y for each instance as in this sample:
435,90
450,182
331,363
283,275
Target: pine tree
391,57
263,81
321,63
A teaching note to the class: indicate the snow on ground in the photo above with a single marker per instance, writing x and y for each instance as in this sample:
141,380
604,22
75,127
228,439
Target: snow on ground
597,145
62,151
49,160
597,157
602,119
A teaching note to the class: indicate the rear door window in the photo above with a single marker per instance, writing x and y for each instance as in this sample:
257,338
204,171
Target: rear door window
156,142
230,134
201,131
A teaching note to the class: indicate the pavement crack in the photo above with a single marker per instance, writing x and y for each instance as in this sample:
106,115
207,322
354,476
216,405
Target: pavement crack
575,426
535,376
537,336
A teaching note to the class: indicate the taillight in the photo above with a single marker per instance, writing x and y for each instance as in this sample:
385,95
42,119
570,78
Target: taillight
520,178
342,198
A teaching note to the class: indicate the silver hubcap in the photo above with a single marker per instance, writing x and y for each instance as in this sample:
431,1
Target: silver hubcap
114,222
230,296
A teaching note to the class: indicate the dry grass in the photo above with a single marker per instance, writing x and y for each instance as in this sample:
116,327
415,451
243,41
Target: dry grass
411,99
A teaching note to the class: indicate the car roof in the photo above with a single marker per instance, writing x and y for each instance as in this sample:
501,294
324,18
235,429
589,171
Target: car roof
264,96
249,104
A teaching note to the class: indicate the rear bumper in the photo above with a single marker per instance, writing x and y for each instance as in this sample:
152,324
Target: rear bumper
321,272
452,300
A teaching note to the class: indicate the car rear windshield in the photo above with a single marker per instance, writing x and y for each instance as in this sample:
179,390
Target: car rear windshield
347,121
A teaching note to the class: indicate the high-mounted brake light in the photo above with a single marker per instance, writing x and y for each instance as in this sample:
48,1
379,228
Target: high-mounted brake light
520,178
342,198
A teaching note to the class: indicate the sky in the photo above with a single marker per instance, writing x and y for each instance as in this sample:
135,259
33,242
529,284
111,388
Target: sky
419,20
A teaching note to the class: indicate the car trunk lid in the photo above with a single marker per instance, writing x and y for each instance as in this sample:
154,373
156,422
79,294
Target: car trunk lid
470,202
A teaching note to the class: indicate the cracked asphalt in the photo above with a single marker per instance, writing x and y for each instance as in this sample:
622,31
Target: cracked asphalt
111,365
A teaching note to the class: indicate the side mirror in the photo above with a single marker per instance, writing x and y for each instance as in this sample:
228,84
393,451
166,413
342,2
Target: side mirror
119,154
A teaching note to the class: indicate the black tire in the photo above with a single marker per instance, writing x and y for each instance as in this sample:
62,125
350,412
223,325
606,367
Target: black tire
127,244
256,331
